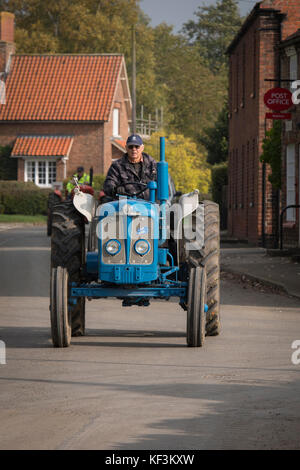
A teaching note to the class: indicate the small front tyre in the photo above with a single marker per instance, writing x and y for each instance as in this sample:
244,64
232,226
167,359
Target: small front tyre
196,317
60,315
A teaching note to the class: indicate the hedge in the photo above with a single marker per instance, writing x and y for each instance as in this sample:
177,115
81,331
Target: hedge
17,197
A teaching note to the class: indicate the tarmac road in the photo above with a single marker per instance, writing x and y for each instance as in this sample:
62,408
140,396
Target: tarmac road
132,383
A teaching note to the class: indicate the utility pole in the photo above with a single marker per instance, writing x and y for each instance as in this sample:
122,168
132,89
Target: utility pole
133,91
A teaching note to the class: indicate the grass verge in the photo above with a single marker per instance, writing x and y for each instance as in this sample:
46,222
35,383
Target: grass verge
19,218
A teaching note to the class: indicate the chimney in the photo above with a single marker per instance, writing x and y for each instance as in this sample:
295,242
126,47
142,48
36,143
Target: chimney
7,45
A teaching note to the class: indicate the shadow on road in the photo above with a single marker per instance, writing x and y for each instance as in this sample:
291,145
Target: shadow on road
32,337
236,414
261,415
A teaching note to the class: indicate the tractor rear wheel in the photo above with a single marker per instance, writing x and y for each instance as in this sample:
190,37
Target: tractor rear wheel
53,199
59,311
209,257
211,261
196,307
68,251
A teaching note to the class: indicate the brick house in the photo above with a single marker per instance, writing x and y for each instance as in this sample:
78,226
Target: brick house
254,57
290,69
62,111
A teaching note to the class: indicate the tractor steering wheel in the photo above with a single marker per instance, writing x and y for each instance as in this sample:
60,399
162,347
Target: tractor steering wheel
133,182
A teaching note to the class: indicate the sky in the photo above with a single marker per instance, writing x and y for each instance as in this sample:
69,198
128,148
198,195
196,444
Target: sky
177,12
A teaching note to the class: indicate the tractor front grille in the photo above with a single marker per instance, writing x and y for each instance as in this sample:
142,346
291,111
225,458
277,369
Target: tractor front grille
127,230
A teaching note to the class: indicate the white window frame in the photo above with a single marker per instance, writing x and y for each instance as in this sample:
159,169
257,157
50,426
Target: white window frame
290,181
36,179
116,122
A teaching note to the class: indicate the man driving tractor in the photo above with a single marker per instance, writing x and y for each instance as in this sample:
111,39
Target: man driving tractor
135,167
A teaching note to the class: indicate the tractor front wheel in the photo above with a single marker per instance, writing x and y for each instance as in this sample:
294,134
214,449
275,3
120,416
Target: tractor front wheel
196,317
60,314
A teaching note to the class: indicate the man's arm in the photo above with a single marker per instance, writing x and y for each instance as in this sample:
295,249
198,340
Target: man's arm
112,181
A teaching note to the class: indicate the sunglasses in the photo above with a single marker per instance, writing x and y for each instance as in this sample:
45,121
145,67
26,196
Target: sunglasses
133,147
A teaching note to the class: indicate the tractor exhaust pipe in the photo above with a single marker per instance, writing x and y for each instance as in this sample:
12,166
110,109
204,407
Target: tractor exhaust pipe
162,190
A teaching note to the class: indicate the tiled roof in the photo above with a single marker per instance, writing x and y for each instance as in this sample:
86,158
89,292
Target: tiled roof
42,146
121,144
61,87
295,35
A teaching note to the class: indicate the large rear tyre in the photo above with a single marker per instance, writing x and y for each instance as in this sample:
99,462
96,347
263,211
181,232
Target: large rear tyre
68,251
196,307
60,314
52,200
207,220
209,256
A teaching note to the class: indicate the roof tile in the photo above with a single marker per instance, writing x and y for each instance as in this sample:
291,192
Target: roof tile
42,146
61,87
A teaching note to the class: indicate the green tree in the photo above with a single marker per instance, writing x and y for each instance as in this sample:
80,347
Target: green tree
215,139
272,153
77,26
187,166
213,30
194,95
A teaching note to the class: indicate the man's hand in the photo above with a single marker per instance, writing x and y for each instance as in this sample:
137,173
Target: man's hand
120,190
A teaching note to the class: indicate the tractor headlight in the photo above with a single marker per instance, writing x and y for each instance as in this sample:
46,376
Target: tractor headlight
142,247
113,247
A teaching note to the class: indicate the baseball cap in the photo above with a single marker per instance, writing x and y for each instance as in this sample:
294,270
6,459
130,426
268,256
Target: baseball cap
134,139
80,168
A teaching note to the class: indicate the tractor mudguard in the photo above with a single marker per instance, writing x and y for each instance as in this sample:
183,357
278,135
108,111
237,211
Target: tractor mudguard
189,204
85,204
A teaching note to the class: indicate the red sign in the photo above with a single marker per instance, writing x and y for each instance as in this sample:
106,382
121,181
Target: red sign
278,116
278,99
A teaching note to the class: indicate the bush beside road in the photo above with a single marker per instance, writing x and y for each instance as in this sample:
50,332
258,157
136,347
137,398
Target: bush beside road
22,219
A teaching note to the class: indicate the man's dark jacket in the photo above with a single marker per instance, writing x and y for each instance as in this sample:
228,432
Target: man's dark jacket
122,171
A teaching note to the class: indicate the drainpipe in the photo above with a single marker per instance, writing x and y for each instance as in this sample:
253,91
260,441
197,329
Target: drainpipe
64,160
278,192
263,209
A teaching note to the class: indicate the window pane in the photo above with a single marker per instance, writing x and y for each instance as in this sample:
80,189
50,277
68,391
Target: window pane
30,166
51,172
42,173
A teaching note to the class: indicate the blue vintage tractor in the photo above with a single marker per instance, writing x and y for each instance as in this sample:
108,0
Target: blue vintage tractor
137,250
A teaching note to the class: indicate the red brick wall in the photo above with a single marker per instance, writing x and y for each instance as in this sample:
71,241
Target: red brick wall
87,148
116,153
243,136
292,9
253,59
291,232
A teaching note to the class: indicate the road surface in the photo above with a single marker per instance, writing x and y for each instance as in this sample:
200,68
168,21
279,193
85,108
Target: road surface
132,383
